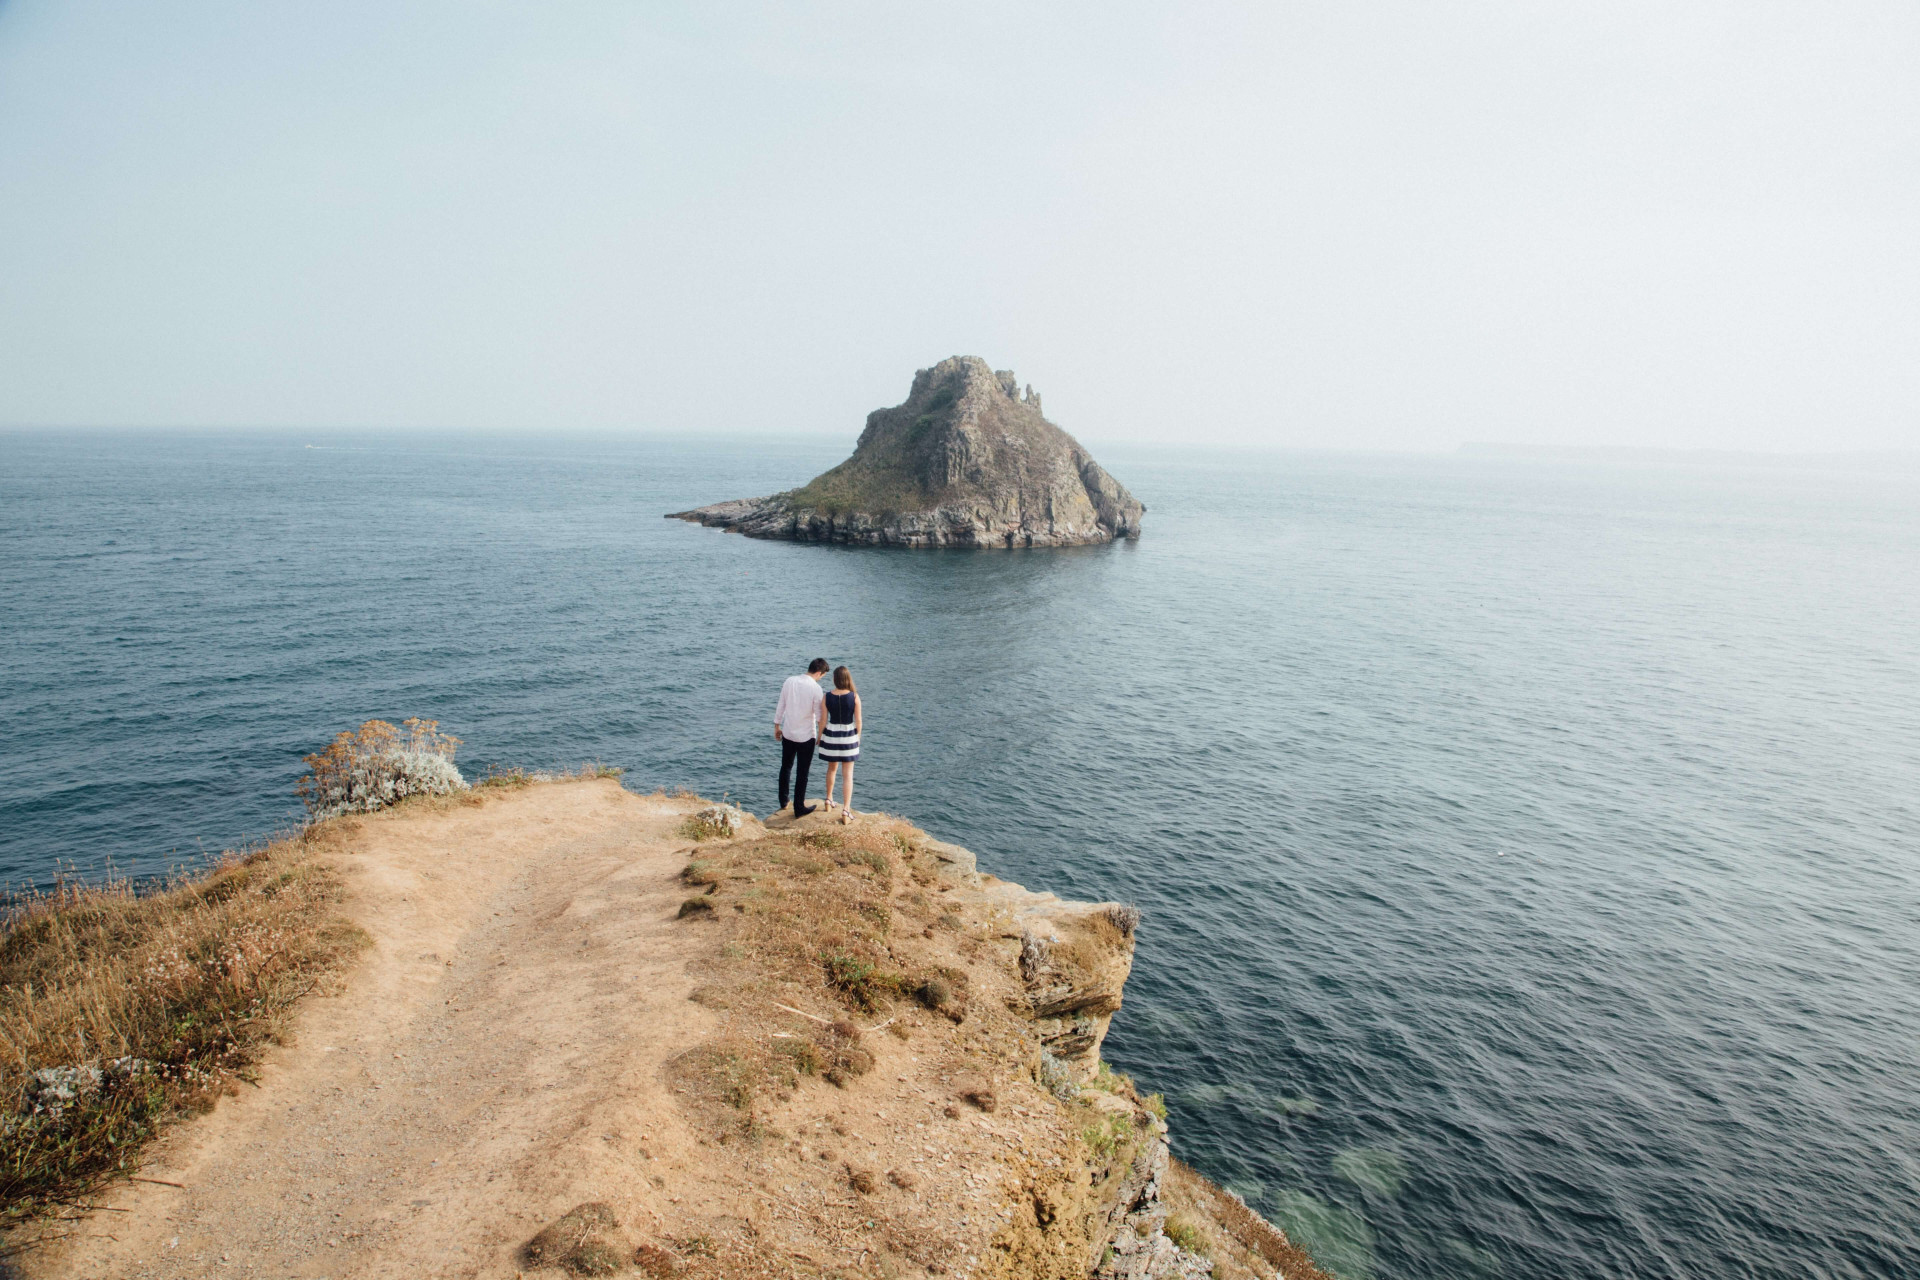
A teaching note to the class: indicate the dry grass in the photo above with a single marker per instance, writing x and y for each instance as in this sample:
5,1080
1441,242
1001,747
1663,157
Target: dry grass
585,1241
1188,1236
812,920
190,981
1218,1224
702,826
513,779
818,945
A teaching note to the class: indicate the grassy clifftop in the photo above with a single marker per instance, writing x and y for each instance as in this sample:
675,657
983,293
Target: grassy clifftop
563,1026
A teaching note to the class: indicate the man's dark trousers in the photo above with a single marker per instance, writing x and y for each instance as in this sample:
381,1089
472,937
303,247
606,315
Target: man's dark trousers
791,751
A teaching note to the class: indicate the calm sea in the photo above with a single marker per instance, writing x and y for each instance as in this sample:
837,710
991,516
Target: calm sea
1530,852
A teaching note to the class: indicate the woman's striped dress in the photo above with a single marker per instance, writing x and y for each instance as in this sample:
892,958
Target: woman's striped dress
841,741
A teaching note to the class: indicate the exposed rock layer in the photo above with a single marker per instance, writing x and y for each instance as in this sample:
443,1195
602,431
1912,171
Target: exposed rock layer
967,460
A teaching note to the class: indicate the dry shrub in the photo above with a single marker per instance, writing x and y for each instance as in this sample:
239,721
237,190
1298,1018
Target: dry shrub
845,1059
861,1180
119,1009
582,1241
378,765
945,992
805,1055
597,1258
1187,1236
1199,1204
1109,1136
655,1261
696,1246
860,980
726,1076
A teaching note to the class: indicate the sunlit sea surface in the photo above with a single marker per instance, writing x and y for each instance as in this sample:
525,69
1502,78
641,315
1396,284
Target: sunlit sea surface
1530,851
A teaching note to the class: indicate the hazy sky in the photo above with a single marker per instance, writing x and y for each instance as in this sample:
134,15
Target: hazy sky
1333,224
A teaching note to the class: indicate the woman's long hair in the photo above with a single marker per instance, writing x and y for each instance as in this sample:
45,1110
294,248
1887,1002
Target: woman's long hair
843,680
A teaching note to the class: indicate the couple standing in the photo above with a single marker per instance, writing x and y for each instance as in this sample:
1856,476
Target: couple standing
805,714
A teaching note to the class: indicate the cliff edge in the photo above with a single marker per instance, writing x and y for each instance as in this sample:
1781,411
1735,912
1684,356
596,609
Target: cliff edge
967,460
599,1033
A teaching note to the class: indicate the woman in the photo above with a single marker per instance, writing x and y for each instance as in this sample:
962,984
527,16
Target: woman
840,736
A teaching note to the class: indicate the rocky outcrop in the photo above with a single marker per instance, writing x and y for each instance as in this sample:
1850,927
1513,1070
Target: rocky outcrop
968,460
953,1023
1073,964
734,1046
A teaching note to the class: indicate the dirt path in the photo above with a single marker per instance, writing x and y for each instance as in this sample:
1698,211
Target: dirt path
493,1060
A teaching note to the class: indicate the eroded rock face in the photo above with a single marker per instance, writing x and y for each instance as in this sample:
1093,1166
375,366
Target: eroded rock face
1134,1242
1073,962
967,460
1075,968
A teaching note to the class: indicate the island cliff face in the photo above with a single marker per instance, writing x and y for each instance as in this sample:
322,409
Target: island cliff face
967,460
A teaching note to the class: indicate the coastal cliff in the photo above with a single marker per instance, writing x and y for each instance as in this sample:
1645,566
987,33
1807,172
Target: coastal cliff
967,460
611,1034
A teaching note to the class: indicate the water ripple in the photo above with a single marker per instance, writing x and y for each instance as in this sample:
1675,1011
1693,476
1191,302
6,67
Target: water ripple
1527,851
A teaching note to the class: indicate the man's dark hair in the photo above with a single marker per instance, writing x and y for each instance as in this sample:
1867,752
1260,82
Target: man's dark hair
815,667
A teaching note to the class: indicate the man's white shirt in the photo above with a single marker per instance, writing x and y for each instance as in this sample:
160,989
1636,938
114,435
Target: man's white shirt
798,713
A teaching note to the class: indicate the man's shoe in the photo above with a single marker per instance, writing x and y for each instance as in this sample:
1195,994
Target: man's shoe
801,813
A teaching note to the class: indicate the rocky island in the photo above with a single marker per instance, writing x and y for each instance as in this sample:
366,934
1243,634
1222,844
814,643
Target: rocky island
565,1029
968,460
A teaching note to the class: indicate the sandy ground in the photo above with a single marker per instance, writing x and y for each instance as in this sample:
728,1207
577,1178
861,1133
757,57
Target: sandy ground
516,1042
492,1061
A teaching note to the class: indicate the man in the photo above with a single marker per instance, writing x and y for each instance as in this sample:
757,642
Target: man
796,723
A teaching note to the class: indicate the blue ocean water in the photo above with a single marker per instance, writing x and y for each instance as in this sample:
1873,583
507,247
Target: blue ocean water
1530,852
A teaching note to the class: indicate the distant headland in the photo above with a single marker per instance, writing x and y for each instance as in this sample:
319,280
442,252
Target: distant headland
967,460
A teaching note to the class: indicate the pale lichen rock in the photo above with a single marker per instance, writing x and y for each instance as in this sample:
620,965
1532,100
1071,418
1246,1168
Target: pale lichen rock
1136,1246
723,820
966,461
